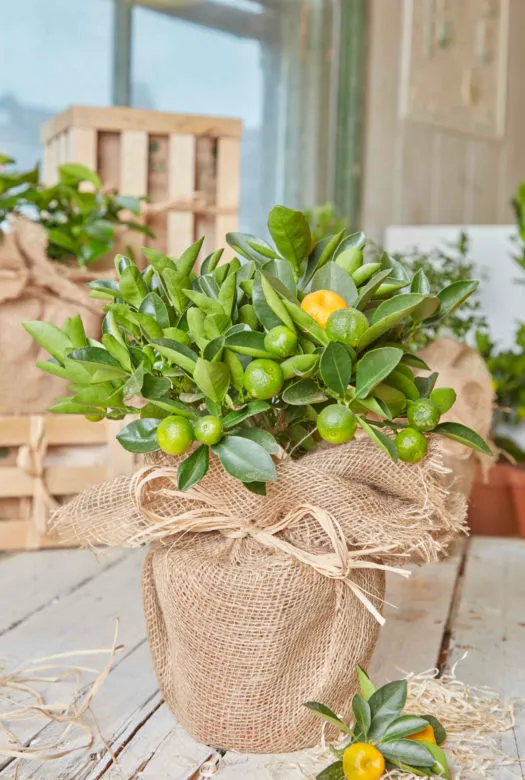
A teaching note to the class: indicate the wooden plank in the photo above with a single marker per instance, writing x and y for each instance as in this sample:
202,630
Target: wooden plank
181,184
58,429
489,625
481,184
50,175
228,191
133,178
158,190
415,185
411,638
119,118
206,184
38,578
20,534
82,619
449,180
59,480
83,146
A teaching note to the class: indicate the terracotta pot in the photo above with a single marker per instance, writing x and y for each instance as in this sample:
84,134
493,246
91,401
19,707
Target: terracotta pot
517,486
491,506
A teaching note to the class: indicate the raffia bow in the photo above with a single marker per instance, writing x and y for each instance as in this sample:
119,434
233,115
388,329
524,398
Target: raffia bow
210,516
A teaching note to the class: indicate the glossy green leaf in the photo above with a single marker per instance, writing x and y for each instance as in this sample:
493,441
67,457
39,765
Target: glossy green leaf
172,406
188,258
366,685
322,253
177,353
375,366
233,419
367,291
389,314
193,468
74,329
95,355
259,488
326,714
365,272
440,768
77,172
333,772
50,337
299,365
208,305
245,243
425,384
283,272
212,378
155,387
438,728
380,439
249,343
466,436
420,283
386,705
362,714
333,277
131,286
415,361
303,392
262,437
154,307
454,295
274,302
291,233
408,752
236,369
210,263
227,294
134,384
119,352
140,435
70,407
335,367
245,460
404,726
306,323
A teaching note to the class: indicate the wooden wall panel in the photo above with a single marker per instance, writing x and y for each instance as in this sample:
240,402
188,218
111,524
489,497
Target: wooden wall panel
419,173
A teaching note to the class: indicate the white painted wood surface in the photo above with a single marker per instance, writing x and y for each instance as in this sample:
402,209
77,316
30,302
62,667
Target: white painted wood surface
67,601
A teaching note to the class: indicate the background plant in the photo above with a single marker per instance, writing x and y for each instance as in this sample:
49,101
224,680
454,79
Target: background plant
182,345
324,221
79,216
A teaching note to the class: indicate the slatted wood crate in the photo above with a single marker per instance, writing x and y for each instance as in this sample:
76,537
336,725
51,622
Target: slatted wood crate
189,166
45,459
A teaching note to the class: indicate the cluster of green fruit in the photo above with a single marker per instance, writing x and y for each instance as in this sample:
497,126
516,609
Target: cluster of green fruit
279,348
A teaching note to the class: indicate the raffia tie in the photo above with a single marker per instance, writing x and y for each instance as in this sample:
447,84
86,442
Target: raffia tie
30,460
211,516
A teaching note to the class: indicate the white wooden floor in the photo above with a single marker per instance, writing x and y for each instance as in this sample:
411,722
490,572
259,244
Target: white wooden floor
58,601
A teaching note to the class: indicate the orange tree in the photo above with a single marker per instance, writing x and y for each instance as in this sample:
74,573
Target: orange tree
251,344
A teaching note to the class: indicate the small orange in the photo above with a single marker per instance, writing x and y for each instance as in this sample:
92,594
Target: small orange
362,761
321,303
427,735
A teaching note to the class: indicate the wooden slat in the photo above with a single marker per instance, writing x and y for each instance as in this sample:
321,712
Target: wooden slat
117,118
181,184
450,177
228,190
489,625
60,480
158,189
58,429
22,535
481,183
83,146
415,190
134,177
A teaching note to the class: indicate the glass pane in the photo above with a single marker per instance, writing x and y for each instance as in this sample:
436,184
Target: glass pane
189,67
53,53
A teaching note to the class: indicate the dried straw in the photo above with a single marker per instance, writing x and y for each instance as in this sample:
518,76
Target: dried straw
21,700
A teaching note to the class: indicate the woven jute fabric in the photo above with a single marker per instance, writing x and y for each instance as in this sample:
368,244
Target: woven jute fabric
34,287
463,368
257,604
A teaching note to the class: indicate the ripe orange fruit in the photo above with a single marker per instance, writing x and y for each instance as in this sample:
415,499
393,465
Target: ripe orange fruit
362,761
321,303
427,735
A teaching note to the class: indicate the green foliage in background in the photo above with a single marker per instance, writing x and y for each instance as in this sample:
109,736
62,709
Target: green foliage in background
324,221
443,268
230,356
79,216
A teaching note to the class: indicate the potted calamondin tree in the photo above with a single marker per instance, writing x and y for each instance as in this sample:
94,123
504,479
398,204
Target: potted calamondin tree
239,377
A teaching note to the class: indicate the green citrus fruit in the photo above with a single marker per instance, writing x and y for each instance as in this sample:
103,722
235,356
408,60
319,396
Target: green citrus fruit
263,378
423,415
94,417
281,341
174,434
208,429
336,424
444,398
346,325
411,445
350,259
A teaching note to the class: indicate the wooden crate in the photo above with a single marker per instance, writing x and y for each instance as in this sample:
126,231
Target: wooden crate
46,459
189,166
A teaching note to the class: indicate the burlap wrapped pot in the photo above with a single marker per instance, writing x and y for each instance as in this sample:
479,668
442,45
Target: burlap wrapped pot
257,604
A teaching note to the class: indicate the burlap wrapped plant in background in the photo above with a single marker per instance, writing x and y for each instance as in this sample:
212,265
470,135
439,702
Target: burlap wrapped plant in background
33,287
256,604
463,368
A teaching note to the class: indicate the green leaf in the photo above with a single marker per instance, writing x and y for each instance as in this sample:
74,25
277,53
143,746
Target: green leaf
375,366
425,384
227,294
407,751
420,283
466,436
367,290
95,355
193,468
188,258
440,767
386,705
414,360
273,301
134,384
365,684
107,286
291,233
439,730
380,439
54,341
213,350
283,272
326,714
246,245
299,365
322,253
110,325
174,407
333,772
453,296
362,714
210,263
154,307
256,487
70,407
119,352
129,203
262,437
131,285
233,419
249,343
155,387
212,378
303,392
76,172
140,435
74,329
177,353
208,305
236,369
176,283
306,323
335,367
353,241
245,460
404,726
332,277
389,314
